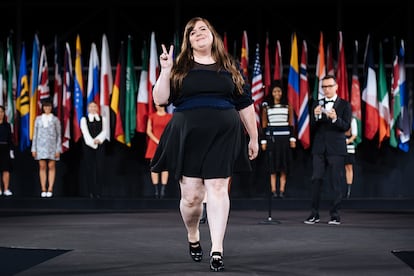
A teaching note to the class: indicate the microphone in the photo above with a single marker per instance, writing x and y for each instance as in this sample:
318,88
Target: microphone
321,103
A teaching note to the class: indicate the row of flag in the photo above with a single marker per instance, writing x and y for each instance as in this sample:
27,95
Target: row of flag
381,107
126,102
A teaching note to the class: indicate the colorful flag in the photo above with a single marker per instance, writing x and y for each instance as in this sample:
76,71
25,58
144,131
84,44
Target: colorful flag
57,84
43,81
67,98
341,72
11,89
34,79
257,85
93,94
225,42
244,58
130,97
142,97
404,120
395,98
23,102
320,71
153,72
3,84
78,96
267,80
118,98
383,101
330,67
106,85
278,70
369,93
356,95
293,77
303,118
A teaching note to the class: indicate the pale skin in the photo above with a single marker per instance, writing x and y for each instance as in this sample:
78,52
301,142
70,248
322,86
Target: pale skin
47,168
193,190
349,171
329,87
5,174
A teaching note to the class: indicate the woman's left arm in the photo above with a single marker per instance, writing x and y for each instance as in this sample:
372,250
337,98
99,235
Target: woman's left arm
248,117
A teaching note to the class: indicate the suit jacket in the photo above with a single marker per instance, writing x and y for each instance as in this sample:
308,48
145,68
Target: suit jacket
329,137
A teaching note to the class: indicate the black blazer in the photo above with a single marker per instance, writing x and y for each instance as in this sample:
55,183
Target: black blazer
329,137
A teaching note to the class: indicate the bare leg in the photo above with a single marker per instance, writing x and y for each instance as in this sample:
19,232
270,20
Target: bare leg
164,182
273,183
155,180
6,180
192,194
218,207
42,174
282,182
51,174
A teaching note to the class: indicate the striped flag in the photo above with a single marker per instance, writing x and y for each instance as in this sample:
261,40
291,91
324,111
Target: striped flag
320,71
34,79
130,96
293,77
153,72
257,85
106,85
278,70
383,101
244,58
404,120
11,89
395,98
142,96
341,72
78,95
43,82
23,102
356,95
57,84
93,85
303,119
369,93
67,98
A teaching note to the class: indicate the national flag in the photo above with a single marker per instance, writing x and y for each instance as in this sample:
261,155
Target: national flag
257,85
57,84
34,84
142,96
303,118
383,101
395,98
23,102
93,93
404,120
267,80
11,89
293,77
43,79
369,93
106,85
244,58
3,84
341,72
118,98
320,71
278,70
356,95
67,98
153,72
78,96
130,97
330,66
225,42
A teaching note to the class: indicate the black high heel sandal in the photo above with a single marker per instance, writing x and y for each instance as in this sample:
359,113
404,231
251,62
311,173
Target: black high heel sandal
196,252
216,262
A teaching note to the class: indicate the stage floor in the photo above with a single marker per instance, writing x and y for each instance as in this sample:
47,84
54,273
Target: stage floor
153,242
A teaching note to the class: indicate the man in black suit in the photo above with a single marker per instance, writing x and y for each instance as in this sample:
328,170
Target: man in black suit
331,118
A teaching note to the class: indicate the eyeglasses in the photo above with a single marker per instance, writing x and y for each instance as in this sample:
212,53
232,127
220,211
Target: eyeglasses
328,86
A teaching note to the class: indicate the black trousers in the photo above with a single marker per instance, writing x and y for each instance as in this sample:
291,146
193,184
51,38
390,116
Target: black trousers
334,166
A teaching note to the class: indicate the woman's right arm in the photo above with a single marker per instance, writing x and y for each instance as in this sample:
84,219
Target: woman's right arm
161,90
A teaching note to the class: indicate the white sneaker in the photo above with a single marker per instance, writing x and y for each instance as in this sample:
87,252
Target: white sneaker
49,194
8,192
43,194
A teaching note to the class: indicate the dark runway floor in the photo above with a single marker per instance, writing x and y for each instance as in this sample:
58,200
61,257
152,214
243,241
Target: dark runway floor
153,242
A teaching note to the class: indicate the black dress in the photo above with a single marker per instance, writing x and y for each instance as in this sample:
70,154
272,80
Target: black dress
6,145
205,137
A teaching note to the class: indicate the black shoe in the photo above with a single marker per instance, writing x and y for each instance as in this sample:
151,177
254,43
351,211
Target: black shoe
274,195
312,219
216,262
335,221
196,252
281,195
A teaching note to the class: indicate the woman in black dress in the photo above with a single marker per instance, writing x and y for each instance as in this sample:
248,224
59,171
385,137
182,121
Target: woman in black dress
6,152
206,135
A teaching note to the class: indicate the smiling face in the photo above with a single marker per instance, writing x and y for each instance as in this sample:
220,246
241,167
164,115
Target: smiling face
200,36
329,87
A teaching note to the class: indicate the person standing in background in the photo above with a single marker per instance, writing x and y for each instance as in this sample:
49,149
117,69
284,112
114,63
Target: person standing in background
94,130
277,124
351,134
6,152
330,119
156,124
47,147
206,137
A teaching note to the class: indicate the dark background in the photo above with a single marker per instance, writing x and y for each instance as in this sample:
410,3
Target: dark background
379,172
